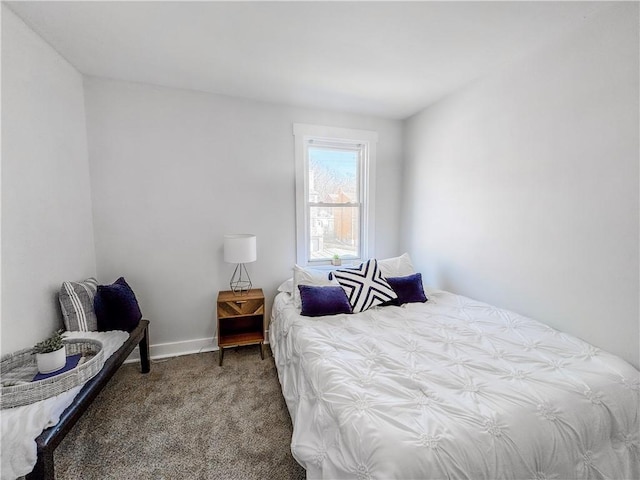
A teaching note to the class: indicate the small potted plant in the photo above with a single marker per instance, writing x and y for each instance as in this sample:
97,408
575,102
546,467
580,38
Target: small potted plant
51,354
336,260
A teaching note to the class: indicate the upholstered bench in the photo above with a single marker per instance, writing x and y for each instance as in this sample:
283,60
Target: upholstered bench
50,438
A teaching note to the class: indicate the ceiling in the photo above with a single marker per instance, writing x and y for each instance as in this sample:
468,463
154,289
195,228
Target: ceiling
389,59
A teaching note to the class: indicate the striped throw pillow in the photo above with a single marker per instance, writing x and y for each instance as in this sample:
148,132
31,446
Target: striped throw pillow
365,286
76,302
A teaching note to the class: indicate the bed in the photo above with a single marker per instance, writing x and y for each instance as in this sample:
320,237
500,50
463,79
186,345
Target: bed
452,388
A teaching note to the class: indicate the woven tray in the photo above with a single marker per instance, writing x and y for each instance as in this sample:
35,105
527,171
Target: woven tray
18,369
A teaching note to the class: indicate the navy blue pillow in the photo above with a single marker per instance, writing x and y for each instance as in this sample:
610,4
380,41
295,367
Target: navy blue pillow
116,307
409,289
319,301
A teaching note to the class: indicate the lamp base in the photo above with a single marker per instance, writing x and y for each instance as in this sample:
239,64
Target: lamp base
238,284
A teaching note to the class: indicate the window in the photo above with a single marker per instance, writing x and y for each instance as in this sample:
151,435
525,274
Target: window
334,193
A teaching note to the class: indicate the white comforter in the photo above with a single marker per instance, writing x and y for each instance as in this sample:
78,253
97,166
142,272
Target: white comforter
453,388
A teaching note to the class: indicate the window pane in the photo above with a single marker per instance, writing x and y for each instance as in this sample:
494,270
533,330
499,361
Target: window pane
334,230
333,175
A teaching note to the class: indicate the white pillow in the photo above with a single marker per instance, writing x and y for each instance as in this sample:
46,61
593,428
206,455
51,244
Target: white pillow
308,276
286,286
397,266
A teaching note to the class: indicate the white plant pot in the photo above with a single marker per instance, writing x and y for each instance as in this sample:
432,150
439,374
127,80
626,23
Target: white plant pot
52,361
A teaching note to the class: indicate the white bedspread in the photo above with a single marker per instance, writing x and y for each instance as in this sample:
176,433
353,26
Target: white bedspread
22,425
453,388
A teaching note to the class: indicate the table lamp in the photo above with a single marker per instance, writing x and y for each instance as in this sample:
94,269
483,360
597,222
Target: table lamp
240,248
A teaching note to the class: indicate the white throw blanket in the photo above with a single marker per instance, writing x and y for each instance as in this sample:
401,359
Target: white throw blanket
22,425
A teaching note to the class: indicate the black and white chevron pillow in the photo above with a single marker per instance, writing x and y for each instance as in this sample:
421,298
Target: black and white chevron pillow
365,286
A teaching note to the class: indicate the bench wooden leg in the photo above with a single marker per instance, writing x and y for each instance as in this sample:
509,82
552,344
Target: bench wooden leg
144,352
44,469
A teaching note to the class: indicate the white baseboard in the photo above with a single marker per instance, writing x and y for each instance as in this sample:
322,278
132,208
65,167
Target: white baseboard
175,349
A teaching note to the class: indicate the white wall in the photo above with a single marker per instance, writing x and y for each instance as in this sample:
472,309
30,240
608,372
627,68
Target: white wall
47,231
172,171
522,189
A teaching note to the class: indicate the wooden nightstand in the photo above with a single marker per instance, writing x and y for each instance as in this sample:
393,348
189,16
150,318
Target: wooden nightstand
240,320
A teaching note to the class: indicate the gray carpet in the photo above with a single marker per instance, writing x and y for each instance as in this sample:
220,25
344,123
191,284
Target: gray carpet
188,418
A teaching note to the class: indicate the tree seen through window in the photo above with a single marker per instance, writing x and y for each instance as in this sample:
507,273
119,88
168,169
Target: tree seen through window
334,202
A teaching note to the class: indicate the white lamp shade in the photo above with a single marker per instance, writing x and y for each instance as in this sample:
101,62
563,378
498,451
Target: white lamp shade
240,248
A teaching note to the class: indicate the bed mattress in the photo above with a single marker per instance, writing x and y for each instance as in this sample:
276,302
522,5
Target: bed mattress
452,388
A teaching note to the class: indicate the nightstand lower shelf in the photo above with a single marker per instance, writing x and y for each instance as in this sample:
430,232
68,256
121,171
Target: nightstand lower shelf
239,339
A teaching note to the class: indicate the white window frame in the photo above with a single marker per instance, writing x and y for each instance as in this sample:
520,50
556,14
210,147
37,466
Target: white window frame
304,134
